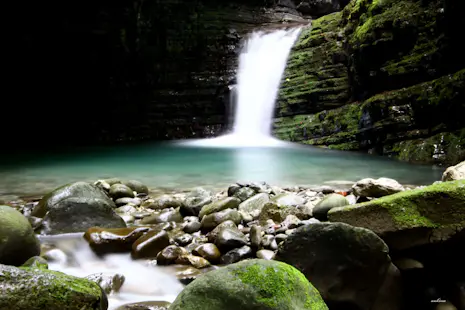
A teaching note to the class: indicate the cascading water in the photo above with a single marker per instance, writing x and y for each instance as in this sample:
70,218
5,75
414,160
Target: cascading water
261,65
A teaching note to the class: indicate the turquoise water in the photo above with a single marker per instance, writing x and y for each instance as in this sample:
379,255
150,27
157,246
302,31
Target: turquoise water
170,166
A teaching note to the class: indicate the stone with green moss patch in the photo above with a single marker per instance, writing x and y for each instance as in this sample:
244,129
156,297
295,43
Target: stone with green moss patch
412,217
251,285
28,288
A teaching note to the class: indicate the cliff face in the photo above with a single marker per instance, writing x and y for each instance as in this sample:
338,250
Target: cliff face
125,70
380,76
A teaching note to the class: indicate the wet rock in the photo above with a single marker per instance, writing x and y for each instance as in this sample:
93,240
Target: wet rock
280,237
183,239
214,233
454,173
279,213
232,189
421,216
356,264
209,251
146,305
229,238
236,255
220,205
170,254
128,201
137,186
325,189
75,208
191,224
113,240
18,242
267,240
288,199
212,220
150,244
250,285
103,185
331,201
254,204
246,217
35,222
142,214
128,219
51,290
163,217
187,274
194,202
121,191
163,202
244,193
110,283
126,209
266,254
377,188
255,236
112,181
196,261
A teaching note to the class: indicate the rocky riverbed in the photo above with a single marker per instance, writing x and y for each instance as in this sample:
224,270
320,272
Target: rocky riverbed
375,244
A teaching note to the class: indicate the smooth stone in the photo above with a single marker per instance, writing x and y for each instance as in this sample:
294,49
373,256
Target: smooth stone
110,283
146,305
244,193
113,240
196,261
229,238
164,216
126,200
137,186
170,254
219,205
266,254
183,239
255,236
209,251
236,255
121,191
214,233
210,221
150,244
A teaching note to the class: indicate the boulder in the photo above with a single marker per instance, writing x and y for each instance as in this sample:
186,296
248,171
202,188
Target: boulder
415,217
75,208
18,242
320,211
255,204
453,173
37,289
250,285
376,187
349,266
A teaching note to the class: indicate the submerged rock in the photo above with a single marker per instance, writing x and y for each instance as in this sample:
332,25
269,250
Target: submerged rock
75,208
17,239
348,265
250,285
38,289
415,217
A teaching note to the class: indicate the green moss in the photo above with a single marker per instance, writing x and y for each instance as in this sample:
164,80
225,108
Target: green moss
277,285
436,206
47,289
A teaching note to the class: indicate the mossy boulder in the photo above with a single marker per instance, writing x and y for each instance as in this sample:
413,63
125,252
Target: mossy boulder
18,242
28,288
254,284
350,266
414,217
76,207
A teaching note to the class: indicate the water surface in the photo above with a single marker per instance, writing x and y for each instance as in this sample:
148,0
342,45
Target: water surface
174,166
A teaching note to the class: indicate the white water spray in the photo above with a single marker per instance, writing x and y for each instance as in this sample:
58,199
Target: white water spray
261,65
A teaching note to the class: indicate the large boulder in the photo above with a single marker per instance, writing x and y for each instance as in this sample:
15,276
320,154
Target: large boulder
453,173
17,239
75,208
349,266
415,217
254,284
38,288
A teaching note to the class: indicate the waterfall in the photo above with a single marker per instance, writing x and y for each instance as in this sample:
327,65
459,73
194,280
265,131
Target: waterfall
261,65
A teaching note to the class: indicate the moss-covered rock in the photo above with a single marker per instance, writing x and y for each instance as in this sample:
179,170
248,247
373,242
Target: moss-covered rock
18,242
254,284
405,81
32,288
414,217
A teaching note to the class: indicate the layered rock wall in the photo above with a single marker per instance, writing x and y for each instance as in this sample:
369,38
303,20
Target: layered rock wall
380,76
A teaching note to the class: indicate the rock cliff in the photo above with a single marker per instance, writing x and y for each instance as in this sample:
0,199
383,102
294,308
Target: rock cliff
382,76
125,70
